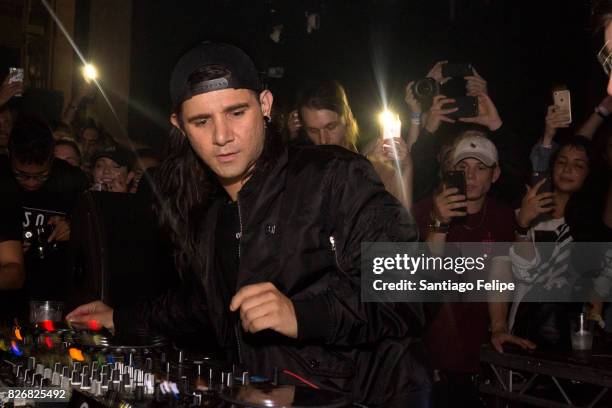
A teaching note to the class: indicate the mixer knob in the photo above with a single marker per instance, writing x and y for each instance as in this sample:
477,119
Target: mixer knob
36,380
75,378
96,388
76,366
197,399
85,370
85,382
47,373
115,375
57,367
184,384
65,371
40,368
56,379
149,383
126,381
31,363
181,357
246,380
18,371
148,364
104,380
229,380
27,375
45,382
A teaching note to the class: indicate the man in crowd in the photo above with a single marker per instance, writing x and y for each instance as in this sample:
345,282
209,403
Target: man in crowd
46,190
112,169
458,330
237,196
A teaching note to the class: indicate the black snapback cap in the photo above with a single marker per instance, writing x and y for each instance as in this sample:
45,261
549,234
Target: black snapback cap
244,75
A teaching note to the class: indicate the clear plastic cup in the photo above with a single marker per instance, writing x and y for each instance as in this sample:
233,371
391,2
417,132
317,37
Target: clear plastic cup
46,310
581,333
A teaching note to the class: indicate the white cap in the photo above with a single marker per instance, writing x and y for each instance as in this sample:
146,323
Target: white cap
475,147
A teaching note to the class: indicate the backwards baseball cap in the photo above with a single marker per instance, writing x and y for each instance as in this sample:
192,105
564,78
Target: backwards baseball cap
243,74
475,147
119,155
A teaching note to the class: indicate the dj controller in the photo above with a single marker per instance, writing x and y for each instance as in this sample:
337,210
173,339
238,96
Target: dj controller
91,368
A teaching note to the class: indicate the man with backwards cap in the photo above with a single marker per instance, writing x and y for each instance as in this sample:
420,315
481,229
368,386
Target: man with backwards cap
272,237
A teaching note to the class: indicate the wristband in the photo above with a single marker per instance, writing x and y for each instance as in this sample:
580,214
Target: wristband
438,226
415,121
521,232
415,116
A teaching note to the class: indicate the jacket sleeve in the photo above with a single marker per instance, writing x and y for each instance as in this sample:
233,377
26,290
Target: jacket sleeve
362,211
180,311
425,165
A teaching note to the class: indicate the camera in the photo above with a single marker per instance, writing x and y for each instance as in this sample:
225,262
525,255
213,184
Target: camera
425,89
38,238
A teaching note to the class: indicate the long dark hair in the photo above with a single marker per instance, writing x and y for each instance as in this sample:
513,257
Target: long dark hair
185,185
584,207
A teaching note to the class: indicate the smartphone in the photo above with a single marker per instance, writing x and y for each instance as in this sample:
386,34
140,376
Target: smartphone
15,75
455,179
457,70
467,107
536,177
562,99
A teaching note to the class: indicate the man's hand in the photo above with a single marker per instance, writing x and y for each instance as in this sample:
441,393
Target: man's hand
92,315
413,104
476,84
61,232
436,72
555,118
437,113
262,307
7,91
499,338
447,204
487,114
534,204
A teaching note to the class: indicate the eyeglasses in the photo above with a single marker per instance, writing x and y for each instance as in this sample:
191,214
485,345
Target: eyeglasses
25,176
605,59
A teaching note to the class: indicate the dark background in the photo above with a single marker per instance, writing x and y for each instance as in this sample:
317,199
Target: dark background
522,48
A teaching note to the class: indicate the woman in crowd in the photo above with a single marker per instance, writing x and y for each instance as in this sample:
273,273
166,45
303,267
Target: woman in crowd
327,119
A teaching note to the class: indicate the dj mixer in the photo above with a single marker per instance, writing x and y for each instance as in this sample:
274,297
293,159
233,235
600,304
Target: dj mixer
50,364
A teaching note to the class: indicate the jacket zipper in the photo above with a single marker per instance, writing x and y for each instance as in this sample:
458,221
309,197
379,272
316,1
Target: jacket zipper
332,241
237,331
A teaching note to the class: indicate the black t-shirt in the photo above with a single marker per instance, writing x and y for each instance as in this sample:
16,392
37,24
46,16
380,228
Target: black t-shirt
227,239
45,278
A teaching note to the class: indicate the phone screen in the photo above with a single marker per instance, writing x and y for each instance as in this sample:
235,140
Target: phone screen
562,99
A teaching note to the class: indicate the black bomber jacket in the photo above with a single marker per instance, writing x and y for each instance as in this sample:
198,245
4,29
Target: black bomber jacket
302,224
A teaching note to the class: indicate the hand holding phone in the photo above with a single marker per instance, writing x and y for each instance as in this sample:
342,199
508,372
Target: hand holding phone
467,107
451,202
562,101
16,75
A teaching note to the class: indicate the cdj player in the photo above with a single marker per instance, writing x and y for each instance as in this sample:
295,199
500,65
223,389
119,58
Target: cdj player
91,368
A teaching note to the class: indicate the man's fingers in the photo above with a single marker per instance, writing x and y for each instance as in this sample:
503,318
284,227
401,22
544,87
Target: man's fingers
248,291
497,345
259,311
265,322
256,300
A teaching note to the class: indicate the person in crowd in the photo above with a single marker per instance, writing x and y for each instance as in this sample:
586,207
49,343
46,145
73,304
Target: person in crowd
146,161
62,131
327,119
458,330
555,217
90,141
112,170
434,141
46,190
291,303
68,150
